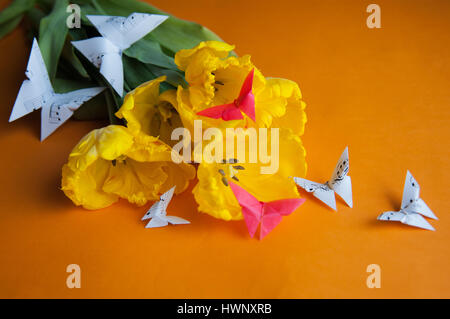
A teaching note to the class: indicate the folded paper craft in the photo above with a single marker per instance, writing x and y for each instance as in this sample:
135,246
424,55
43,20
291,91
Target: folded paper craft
244,103
413,207
339,183
267,215
158,213
37,93
118,34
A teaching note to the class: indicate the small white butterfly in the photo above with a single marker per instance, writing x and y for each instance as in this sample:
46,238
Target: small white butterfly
339,183
118,34
158,213
413,207
37,93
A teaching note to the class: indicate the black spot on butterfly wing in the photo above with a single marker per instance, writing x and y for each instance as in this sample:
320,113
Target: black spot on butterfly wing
235,178
239,167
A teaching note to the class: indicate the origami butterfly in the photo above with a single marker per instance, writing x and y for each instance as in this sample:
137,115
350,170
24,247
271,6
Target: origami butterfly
339,183
244,103
118,34
158,213
37,92
267,215
413,207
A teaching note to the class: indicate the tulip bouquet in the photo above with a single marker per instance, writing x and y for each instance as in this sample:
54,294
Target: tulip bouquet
177,76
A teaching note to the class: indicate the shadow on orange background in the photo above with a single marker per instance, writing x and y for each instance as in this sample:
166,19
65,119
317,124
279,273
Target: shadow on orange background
383,92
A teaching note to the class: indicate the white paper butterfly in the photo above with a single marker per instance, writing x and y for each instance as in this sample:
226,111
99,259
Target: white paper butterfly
158,213
37,92
413,207
118,34
339,183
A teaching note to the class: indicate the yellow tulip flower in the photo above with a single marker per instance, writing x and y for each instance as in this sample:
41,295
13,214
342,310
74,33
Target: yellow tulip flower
112,163
148,112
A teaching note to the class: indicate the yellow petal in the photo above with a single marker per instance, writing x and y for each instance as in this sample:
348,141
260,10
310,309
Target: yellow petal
213,196
113,141
279,185
84,187
135,181
139,106
217,199
280,105
111,162
215,48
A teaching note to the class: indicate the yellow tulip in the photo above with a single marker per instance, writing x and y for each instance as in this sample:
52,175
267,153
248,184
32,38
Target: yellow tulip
112,163
148,112
216,78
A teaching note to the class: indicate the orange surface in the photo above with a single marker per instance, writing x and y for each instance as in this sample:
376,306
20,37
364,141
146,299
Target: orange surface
384,92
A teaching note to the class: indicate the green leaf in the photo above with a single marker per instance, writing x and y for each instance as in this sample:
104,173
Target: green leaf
94,109
174,78
52,34
149,51
135,72
69,55
64,85
15,9
8,26
34,17
11,16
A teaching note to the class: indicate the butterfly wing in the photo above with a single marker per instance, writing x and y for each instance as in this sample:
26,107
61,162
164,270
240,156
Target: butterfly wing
106,56
37,90
340,182
227,112
251,207
166,198
321,191
123,32
274,211
411,201
112,70
246,99
157,221
344,189
411,190
412,219
153,211
342,167
417,220
420,207
61,108
176,220
391,216
159,208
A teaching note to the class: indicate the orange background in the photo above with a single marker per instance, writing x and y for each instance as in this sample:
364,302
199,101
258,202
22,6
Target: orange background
383,92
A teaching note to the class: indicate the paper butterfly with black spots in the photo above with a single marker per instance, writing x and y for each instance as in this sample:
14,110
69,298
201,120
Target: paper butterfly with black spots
158,213
339,183
37,93
413,207
118,34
